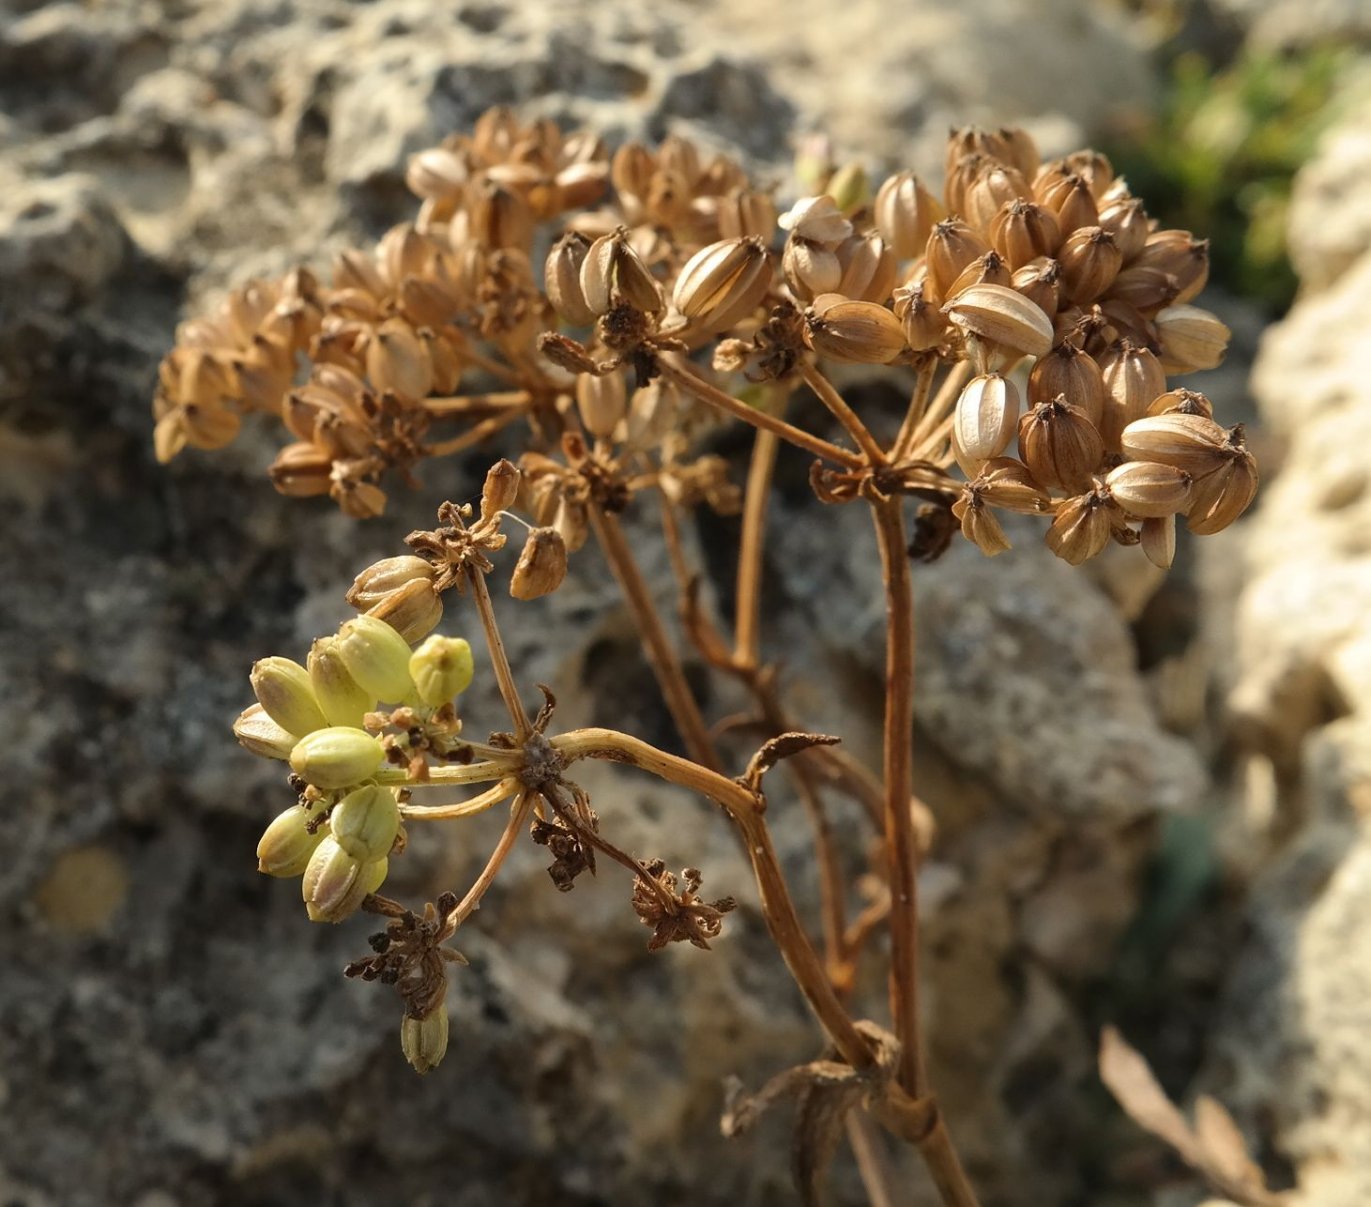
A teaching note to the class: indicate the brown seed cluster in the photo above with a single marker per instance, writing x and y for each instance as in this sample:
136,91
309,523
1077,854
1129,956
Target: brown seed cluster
1067,305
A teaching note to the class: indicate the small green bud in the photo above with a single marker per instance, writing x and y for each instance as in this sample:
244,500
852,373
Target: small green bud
441,669
376,656
364,823
258,733
849,187
287,844
424,1040
283,689
336,757
343,700
335,883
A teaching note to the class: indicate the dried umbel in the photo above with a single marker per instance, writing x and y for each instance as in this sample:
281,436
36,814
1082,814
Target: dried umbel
603,315
1012,260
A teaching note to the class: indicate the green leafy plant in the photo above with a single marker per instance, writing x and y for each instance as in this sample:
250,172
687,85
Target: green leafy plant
1222,152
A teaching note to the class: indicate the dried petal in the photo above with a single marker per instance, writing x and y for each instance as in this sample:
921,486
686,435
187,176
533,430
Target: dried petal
1159,540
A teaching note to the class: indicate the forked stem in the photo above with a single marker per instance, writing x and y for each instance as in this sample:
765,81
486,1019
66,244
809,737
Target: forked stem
740,803
691,382
838,407
518,815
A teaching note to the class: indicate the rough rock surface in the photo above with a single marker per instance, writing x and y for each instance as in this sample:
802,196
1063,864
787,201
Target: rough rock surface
1291,24
172,1032
1289,1049
1330,213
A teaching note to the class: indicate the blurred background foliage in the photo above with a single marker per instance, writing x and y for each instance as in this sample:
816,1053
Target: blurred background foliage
1220,152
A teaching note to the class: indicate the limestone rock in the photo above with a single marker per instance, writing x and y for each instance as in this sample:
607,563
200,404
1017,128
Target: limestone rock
1288,1047
1330,211
187,147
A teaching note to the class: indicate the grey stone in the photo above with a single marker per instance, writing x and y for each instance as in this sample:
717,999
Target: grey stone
198,1045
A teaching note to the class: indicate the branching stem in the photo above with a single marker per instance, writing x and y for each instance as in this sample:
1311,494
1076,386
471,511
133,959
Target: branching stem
688,379
838,407
466,808
518,817
661,654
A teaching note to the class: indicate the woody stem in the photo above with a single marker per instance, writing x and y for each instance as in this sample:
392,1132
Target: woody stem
743,806
504,675
683,375
902,852
518,815
748,606
899,822
838,407
661,653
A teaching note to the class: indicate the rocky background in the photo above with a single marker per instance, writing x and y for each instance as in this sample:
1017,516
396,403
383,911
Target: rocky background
1151,797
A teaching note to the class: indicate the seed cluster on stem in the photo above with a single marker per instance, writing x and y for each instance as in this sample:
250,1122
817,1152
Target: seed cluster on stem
1037,311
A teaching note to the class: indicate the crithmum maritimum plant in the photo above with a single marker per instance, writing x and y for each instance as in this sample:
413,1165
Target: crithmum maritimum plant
1036,312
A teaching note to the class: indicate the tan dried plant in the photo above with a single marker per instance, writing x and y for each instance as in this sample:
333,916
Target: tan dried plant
1037,309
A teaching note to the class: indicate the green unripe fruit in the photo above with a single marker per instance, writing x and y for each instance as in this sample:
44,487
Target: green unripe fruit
376,656
424,1040
343,700
364,823
441,669
287,844
336,757
283,689
335,883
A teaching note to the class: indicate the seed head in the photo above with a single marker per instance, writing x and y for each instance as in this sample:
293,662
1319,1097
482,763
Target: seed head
1081,529
723,283
334,883
562,279
1003,317
905,212
1189,442
365,822
853,332
984,421
261,735
1149,489
1191,338
341,698
1060,446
